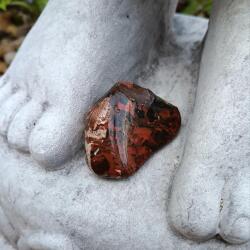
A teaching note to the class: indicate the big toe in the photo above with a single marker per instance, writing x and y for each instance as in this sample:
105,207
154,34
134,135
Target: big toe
235,219
55,138
195,203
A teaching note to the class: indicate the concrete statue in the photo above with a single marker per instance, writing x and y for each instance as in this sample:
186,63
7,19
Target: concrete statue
192,194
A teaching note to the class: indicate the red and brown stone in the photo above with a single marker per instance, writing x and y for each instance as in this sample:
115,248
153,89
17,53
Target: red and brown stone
125,127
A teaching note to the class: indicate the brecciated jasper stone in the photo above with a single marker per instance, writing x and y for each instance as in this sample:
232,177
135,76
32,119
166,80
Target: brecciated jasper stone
125,127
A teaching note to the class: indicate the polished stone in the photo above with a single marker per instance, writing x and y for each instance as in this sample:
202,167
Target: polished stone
125,127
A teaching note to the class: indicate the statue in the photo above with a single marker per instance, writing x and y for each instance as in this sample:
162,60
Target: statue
194,189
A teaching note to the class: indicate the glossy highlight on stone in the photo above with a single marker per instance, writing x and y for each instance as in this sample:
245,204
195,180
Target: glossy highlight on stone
125,127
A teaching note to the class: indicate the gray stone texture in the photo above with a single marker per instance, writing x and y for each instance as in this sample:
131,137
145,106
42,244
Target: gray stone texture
74,53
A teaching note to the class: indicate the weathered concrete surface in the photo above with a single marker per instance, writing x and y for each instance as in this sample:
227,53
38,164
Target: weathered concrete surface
73,209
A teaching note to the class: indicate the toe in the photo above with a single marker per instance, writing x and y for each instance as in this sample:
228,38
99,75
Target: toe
9,108
195,203
22,125
235,218
55,138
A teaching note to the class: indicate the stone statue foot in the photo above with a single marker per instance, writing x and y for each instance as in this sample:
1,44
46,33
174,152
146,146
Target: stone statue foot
217,207
211,191
72,55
